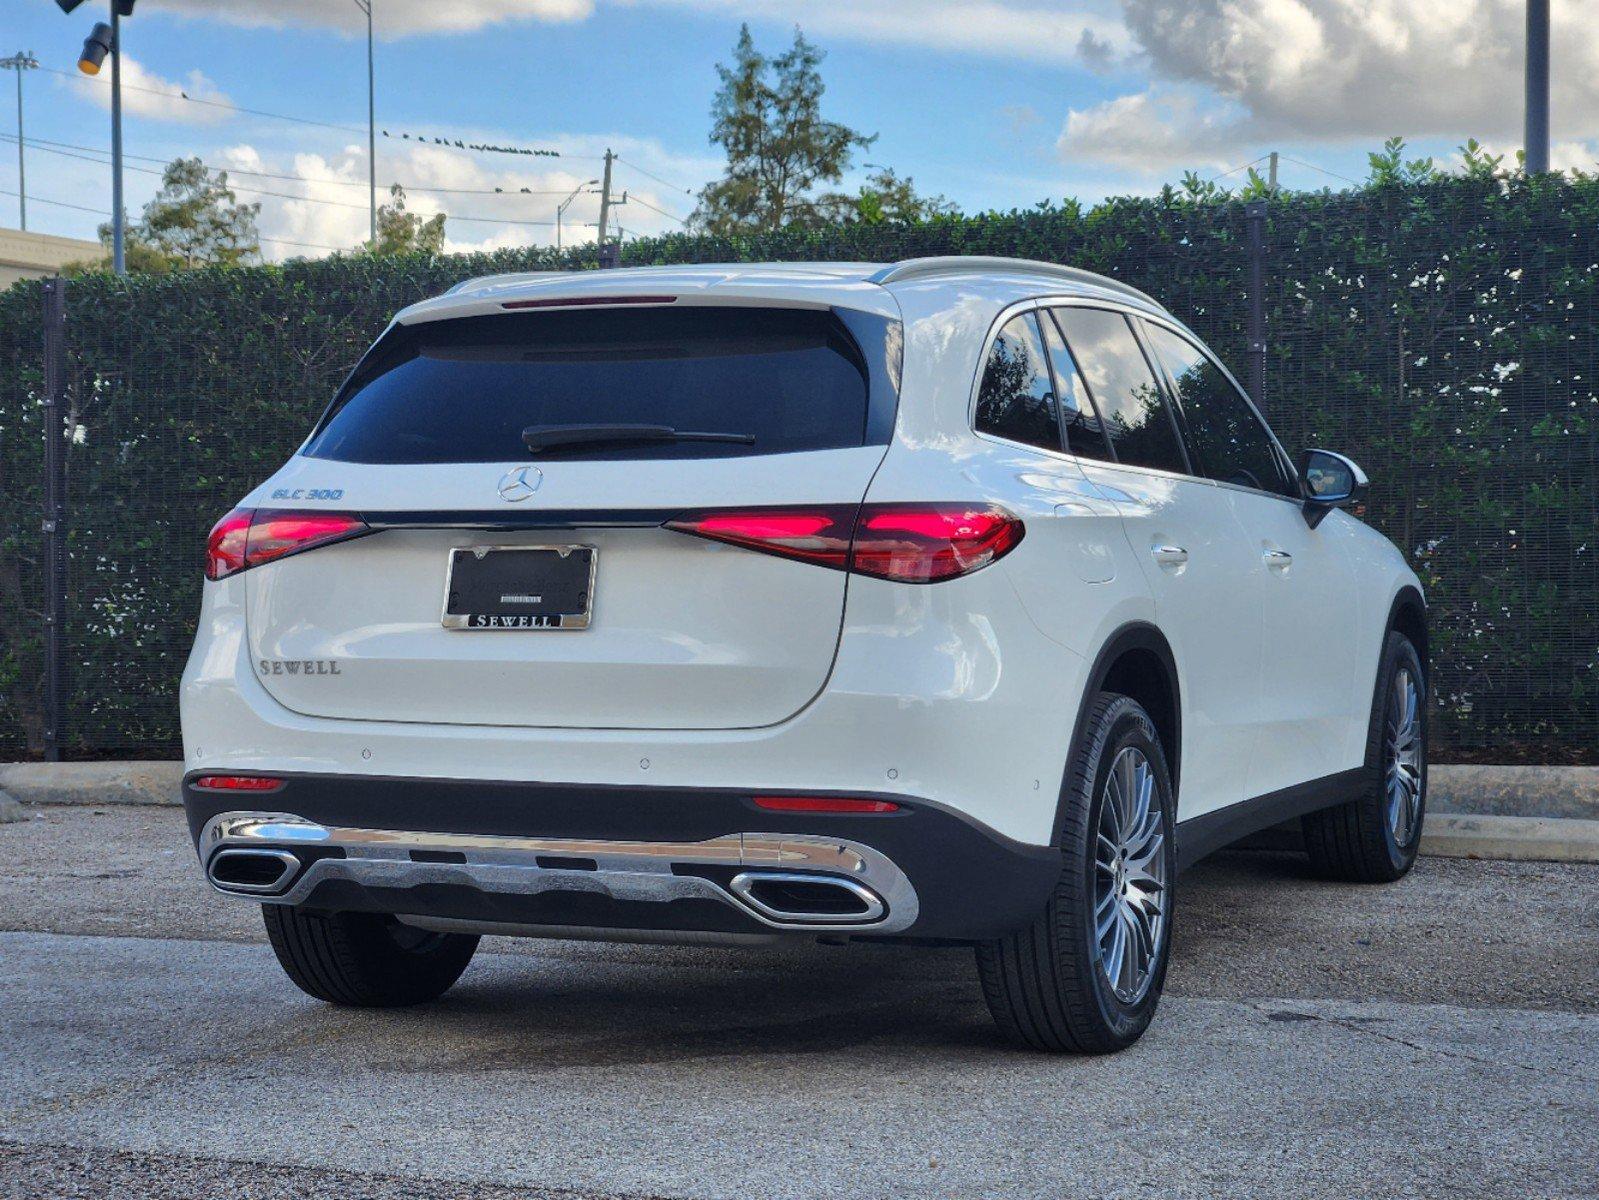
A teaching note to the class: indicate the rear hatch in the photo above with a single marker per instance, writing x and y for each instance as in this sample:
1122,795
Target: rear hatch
441,615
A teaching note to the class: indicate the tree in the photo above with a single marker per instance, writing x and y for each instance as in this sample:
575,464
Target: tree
767,116
193,221
885,198
402,232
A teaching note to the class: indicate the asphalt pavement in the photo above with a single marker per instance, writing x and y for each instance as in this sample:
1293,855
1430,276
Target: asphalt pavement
1439,1037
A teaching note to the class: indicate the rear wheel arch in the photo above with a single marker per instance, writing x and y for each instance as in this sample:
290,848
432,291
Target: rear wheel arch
1135,661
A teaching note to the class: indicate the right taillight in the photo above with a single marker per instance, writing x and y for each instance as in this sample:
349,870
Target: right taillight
907,543
247,538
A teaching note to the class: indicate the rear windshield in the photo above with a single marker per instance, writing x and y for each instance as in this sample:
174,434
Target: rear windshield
463,390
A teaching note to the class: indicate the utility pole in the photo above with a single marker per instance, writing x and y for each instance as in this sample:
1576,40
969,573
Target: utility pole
371,120
1271,174
20,62
1537,132
605,196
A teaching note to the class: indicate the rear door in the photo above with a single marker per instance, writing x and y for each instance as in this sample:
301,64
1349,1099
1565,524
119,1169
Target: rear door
426,444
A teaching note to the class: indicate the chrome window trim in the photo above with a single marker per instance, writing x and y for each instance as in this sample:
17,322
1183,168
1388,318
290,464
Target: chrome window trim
1079,460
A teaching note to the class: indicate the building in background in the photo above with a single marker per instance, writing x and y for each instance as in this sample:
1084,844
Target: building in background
28,255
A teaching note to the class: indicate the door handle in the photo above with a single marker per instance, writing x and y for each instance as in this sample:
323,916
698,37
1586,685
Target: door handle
1279,560
1169,556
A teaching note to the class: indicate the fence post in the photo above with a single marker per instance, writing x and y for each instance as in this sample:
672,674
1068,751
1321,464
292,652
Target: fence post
55,504
1255,223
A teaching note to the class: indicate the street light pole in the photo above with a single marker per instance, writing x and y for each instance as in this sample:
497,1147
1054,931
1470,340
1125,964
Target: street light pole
1537,131
20,62
119,219
371,119
560,209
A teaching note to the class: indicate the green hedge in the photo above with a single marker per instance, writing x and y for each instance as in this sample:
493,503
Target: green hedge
1444,334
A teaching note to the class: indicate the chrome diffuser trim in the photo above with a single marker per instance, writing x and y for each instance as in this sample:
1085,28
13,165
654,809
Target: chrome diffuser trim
624,870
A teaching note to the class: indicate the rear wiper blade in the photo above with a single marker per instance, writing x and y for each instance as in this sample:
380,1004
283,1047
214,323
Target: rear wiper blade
545,439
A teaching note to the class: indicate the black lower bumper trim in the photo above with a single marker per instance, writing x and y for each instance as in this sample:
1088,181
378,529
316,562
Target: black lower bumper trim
971,882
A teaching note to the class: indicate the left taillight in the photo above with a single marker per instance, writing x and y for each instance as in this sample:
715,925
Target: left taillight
906,543
247,537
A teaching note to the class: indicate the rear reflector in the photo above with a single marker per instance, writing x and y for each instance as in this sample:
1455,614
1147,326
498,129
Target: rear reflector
238,783
907,543
247,538
823,804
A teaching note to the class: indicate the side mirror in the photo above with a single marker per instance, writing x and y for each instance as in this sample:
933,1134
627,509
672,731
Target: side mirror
1329,481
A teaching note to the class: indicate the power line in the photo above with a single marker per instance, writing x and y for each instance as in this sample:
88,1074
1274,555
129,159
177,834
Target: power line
1323,170
62,149
633,166
633,199
1235,170
254,112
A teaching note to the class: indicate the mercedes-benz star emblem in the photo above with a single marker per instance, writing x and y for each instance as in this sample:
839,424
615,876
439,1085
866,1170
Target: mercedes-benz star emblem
519,483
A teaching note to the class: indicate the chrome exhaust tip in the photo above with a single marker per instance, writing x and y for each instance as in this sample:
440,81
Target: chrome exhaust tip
252,871
804,899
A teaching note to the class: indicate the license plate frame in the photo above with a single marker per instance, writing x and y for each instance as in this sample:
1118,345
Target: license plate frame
494,619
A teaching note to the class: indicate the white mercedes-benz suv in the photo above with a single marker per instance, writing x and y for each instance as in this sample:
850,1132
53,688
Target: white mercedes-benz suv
951,600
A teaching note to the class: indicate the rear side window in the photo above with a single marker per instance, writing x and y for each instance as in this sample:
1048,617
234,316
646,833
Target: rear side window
1123,387
1017,397
1227,440
463,390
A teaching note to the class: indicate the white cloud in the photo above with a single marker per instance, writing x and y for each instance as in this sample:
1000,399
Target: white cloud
1230,74
328,202
146,94
1028,29
1052,33
393,18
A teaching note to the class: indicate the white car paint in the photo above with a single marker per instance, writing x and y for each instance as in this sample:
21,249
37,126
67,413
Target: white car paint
710,666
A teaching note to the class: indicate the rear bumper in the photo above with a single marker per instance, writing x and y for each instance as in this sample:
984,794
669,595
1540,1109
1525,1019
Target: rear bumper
569,859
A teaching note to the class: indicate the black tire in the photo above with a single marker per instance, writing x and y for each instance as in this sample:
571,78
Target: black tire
366,960
1045,984
1358,842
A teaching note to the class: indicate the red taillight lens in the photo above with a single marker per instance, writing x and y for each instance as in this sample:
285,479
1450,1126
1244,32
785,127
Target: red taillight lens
908,543
823,804
920,543
814,535
224,549
249,537
238,783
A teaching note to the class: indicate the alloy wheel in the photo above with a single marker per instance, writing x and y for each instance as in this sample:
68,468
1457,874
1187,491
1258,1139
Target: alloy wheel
1402,756
1130,876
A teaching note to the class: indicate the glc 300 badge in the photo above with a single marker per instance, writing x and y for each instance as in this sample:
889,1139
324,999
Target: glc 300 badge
519,483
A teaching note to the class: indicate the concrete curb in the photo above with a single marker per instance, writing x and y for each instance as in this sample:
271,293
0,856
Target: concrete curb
1514,791
122,782
1511,839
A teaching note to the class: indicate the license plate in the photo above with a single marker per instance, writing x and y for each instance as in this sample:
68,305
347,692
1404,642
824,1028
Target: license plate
503,587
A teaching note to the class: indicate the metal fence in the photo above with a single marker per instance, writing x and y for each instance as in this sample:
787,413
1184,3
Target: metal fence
1445,335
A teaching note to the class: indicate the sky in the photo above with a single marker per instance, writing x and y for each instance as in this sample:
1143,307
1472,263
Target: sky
994,104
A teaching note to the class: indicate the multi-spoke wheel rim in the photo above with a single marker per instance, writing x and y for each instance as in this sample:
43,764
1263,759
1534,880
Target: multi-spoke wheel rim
1130,876
1402,756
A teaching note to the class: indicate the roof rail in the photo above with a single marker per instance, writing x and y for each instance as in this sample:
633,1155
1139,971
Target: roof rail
916,268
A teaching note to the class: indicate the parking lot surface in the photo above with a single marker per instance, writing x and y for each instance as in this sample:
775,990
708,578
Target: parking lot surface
1435,1038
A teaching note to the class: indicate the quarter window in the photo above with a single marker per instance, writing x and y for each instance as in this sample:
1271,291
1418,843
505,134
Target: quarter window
1124,391
1085,437
1225,437
1017,398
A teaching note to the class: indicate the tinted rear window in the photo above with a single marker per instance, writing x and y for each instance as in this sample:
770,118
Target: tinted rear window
463,390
